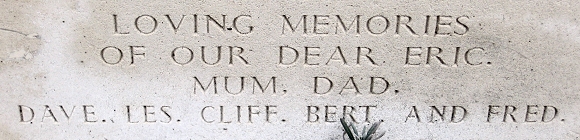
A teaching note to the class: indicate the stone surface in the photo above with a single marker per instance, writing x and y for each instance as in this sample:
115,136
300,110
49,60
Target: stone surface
440,69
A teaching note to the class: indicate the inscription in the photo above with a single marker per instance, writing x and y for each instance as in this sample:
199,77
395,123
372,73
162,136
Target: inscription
431,25
249,68
208,55
113,55
256,86
148,114
427,56
239,114
325,85
56,113
427,25
438,114
192,23
332,113
272,113
527,114
313,56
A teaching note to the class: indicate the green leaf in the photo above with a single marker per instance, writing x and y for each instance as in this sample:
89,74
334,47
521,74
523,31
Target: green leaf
354,129
346,129
379,136
372,130
364,132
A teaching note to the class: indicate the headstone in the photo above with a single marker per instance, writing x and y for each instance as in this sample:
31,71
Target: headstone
289,69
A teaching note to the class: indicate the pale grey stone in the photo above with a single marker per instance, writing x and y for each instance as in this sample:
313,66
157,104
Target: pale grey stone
62,55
